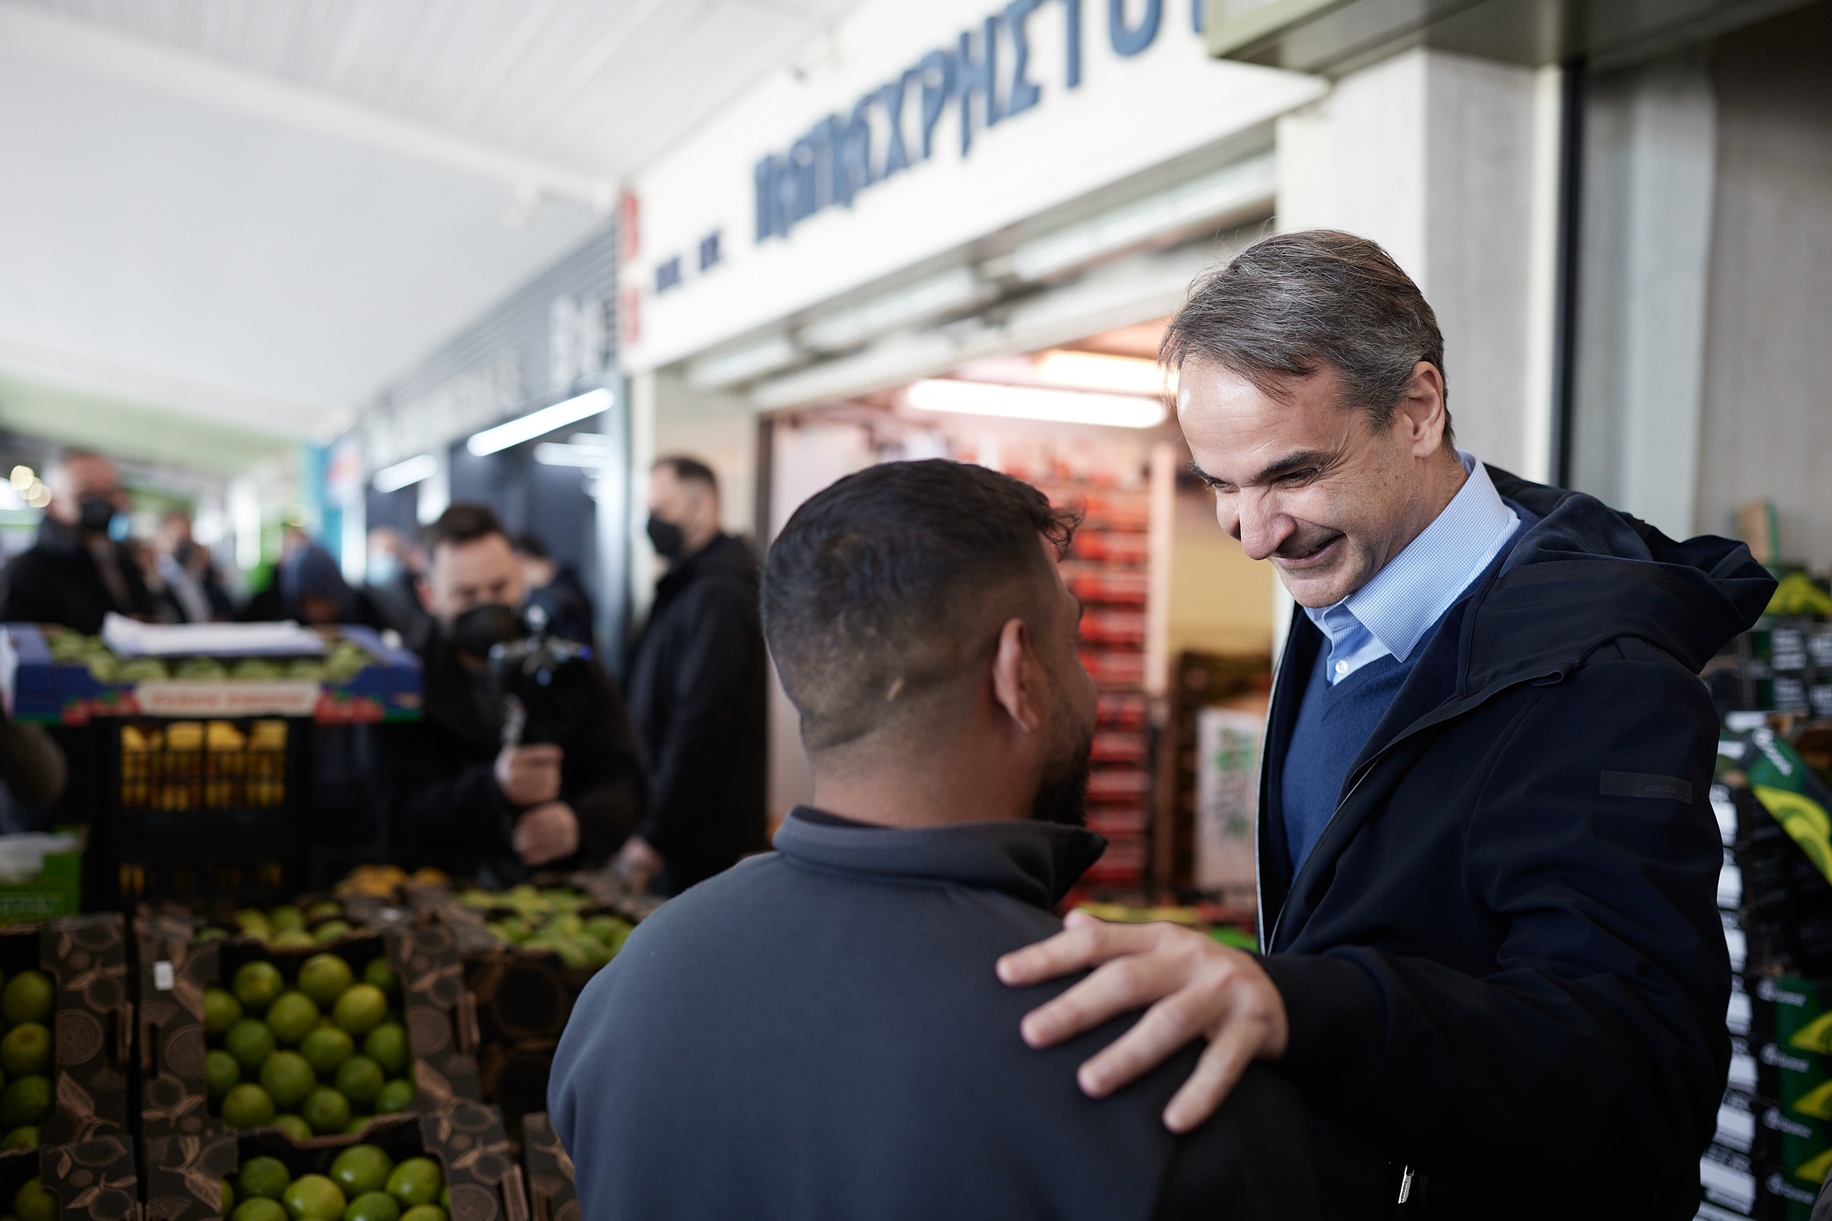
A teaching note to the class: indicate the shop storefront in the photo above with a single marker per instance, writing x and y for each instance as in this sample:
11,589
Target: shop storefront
958,233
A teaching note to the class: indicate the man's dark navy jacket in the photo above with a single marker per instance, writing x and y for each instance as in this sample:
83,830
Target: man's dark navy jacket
818,1035
1502,962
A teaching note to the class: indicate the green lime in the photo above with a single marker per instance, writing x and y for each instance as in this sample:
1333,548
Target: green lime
445,1197
247,1106
290,1016
21,1138
27,998
331,931
228,1198
257,984
357,1124
312,1197
213,934
360,1079
251,918
26,1101
292,939
424,1212
387,1046
324,909
221,1010
326,1047
261,1209
287,917
33,1203
294,1127
263,1178
379,974
326,1110
361,1008
25,1050
393,1097
249,1041
373,1206
416,1181
287,1078
323,977
221,1073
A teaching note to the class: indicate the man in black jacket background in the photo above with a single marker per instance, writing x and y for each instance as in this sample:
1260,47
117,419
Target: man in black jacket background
696,688
1487,862
76,571
460,795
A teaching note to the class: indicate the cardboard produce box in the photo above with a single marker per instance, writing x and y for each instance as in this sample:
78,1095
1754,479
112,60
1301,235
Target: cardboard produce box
90,1022
176,968
93,1180
551,1193
185,1173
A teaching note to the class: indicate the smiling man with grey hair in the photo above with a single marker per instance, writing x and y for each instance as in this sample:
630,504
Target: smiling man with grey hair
1492,963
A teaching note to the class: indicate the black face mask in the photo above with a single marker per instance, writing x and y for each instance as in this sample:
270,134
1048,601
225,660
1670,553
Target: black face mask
95,513
666,538
481,628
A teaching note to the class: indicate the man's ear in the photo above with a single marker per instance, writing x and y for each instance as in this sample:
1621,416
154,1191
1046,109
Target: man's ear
1423,408
424,589
1013,675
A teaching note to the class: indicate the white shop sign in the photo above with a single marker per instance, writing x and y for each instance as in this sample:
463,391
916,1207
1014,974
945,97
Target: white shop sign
876,152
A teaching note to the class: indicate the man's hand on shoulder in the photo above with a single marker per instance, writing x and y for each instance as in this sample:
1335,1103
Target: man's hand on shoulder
546,833
528,775
1195,987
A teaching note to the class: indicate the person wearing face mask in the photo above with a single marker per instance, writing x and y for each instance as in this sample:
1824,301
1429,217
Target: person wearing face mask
392,577
696,682
470,797
78,570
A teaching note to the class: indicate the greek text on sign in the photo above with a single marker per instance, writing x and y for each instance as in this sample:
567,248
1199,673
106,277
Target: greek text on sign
179,697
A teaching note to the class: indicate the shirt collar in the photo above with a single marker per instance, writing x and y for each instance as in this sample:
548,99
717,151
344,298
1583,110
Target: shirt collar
1033,861
1402,601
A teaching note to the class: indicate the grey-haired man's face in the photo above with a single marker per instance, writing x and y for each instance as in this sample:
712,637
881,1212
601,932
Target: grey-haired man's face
1305,479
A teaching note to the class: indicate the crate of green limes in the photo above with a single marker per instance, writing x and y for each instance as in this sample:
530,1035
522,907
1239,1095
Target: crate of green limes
454,1162
92,1180
245,1034
68,1024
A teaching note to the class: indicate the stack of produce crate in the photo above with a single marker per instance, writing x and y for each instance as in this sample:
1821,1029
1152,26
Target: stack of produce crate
1773,1146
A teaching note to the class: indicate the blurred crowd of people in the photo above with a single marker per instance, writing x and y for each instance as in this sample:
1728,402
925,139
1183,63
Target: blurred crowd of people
495,780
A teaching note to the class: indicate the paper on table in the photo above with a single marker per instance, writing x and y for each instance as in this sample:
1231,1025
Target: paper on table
131,638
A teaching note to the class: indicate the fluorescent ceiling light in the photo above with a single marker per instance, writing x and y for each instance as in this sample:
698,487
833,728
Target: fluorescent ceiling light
573,453
405,473
952,290
741,365
535,424
1249,183
1099,371
1035,403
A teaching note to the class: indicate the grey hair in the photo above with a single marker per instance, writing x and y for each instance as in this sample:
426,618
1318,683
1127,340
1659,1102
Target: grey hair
1293,302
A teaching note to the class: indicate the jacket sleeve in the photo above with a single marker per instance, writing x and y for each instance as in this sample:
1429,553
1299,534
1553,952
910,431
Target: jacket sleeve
29,596
604,775
433,807
1597,1051
708,688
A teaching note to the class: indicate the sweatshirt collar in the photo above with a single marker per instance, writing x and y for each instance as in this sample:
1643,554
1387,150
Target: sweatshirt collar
1035,862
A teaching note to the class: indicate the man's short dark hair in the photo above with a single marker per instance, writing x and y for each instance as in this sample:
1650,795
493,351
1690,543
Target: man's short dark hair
1293,302
891,581
463,523
531,546
689,470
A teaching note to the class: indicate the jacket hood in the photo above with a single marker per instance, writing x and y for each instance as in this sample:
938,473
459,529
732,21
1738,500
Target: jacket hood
1035,862
1584,574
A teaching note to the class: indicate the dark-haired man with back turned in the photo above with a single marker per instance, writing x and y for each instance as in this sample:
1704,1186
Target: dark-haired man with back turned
696,683
1487,865
817,1034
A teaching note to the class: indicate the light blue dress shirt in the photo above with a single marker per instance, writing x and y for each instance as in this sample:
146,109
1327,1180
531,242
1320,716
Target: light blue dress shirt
1399,603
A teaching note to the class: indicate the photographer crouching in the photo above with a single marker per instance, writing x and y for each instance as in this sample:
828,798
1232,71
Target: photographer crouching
524,758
